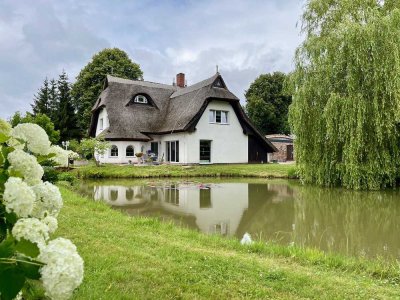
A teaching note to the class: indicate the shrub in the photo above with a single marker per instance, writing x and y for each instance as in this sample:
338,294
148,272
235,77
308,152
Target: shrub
28,216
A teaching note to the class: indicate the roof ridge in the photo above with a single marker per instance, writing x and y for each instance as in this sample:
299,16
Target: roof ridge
135,81
196,86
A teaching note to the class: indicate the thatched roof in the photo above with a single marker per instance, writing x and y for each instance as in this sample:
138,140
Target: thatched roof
170,108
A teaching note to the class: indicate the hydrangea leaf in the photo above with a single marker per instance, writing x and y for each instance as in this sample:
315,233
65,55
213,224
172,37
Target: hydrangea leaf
11,218
3,138
28,248
42,158
11,282
29,267
7,247
3,229
3,178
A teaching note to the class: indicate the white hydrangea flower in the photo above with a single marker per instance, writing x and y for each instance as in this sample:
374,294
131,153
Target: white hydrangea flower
63,269
18,197
73,155
34,136
31,229
51,223
26,165
5,128
48,200
61,158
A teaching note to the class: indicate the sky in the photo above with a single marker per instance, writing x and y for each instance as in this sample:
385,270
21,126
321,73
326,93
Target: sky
245,38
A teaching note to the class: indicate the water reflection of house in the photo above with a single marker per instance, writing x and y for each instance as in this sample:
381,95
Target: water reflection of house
118,195
216,209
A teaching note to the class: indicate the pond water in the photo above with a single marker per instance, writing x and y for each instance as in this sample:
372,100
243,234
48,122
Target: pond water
333,220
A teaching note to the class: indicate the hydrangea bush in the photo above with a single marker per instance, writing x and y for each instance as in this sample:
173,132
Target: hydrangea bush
28,216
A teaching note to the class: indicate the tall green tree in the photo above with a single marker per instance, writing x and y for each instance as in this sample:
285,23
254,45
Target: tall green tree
346,91
41,99
66,117
90,80
53,101
267,104
40,119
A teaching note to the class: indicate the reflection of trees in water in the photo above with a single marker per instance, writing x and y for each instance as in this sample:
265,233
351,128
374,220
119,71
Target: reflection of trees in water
349,222
335,220
270,212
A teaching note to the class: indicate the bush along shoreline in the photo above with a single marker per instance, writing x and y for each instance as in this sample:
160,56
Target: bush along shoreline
32,264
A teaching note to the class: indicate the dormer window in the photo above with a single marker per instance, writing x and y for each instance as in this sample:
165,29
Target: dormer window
140,99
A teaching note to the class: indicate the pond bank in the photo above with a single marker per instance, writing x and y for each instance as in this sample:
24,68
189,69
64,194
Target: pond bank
140,257
232,170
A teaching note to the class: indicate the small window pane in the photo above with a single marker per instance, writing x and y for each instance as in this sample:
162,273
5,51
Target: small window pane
114,151
101,124
211,116
140,99
130,151
224,119
218,116
173,151
177,151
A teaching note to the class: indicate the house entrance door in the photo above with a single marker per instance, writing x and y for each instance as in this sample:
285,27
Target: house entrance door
205,151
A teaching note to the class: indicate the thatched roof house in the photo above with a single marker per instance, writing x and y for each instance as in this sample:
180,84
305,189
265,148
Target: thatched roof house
203,122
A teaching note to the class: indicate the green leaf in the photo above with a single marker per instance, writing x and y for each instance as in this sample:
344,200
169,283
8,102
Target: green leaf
13,173
11,282
3,178
3,138
29,267
7,247
42,158
3,228
27,247
11,218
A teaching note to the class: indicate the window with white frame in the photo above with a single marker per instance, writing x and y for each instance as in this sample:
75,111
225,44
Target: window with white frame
218,116
140,99
101,124
130,152
114,151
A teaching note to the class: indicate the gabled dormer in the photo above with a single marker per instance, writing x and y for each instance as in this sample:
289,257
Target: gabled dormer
219,83
141,99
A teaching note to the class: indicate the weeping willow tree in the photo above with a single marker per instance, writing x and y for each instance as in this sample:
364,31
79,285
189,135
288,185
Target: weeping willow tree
346,94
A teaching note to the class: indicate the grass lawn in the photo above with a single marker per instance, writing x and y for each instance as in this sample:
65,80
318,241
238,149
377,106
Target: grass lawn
237,170
142,258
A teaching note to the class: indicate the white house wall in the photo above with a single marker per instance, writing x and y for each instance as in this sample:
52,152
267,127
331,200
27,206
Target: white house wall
102,115
122,158
228,142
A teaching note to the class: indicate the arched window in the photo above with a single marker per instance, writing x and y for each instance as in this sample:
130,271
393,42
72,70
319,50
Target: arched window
140,99
114,151
130,151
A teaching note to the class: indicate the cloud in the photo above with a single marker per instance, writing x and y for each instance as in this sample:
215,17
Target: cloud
245,38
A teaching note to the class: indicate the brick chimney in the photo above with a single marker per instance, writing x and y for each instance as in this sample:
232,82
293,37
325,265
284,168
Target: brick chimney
180,80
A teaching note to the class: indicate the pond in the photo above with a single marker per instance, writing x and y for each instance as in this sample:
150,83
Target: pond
352,223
